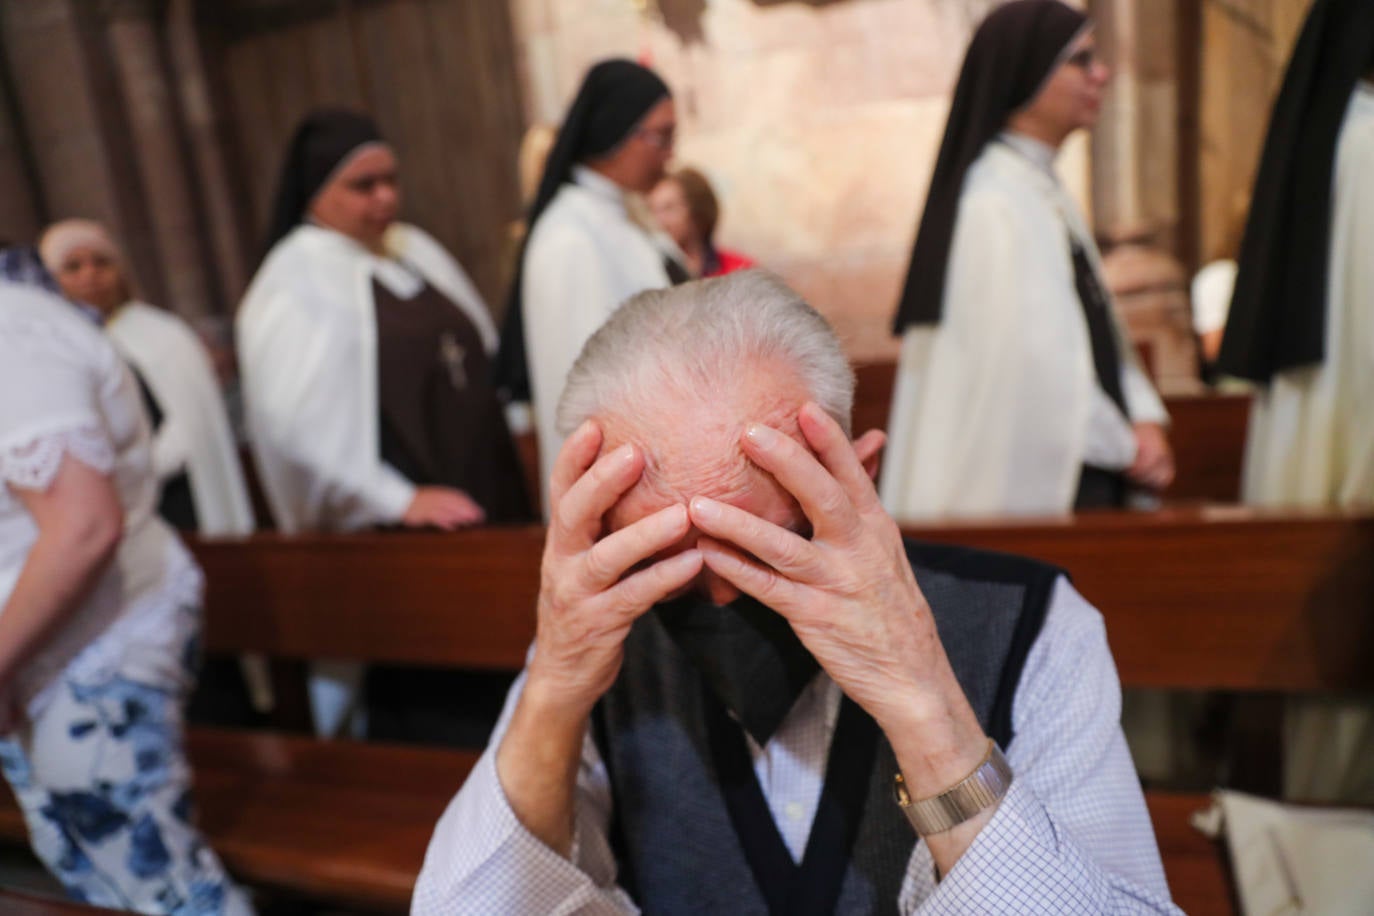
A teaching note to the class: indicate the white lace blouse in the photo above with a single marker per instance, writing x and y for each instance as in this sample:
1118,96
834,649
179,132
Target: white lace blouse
64,392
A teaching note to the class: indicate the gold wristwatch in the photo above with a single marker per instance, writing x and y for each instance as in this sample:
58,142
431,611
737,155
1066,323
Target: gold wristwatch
978,791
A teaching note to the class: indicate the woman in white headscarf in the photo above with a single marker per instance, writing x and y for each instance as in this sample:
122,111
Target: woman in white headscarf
201,481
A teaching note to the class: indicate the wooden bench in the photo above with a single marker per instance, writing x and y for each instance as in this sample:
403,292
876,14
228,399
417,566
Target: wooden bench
1195,599
1207,433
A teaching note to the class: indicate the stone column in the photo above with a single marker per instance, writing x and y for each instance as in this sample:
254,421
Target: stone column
132,31
1135,146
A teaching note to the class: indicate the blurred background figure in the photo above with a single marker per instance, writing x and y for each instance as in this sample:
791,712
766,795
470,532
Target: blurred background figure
194,453
687,209
364,352
1017,389
1303,312
586,253
1301,327
100,617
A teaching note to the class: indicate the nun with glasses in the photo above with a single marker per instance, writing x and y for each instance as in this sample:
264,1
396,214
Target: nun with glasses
591,243
364,351
1017,390
100,619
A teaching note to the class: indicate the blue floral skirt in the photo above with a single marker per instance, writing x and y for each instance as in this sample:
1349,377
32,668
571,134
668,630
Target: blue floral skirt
103,780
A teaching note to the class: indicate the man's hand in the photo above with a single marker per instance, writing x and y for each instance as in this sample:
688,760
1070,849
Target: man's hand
587,604
442,507
1154,460
852,599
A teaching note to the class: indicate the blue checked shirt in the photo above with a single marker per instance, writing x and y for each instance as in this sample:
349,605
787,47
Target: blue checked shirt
1071,836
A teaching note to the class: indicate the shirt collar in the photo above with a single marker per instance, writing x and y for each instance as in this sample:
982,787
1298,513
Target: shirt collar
598,184
1039,153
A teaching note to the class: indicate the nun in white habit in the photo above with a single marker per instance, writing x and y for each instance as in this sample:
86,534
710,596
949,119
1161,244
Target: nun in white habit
195,457
1017,391
364,350
587,250
1301,326
1301,323
354,322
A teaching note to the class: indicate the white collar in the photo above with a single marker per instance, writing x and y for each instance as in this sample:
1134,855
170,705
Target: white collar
399,278
1038,152
598,184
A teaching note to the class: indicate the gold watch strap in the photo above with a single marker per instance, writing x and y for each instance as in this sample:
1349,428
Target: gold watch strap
975,793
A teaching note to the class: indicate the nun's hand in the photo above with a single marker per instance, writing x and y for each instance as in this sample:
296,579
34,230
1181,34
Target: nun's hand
1154,460
849,593
590,589
442,507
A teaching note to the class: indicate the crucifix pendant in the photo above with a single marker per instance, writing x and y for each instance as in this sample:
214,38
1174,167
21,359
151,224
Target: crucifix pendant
452,354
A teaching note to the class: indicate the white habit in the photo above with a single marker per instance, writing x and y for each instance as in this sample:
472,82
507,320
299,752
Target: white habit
195,436
996,408
585,257
307,338
1311,439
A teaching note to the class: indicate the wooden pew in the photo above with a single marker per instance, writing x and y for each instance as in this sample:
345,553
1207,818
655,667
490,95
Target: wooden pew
1193,599
1207,433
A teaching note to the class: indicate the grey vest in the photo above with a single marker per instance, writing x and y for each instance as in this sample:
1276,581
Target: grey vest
675,844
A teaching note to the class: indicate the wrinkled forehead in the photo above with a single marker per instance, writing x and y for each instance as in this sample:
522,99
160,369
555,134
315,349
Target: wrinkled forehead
692,448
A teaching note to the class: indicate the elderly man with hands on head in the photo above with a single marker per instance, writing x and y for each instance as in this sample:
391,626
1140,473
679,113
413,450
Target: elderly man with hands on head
747,692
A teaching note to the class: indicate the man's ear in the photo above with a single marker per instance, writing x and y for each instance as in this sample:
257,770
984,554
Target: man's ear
869,448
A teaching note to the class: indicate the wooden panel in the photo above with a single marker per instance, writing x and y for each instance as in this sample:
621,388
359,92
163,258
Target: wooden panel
338,821
1208,437
465,599
1199,599
1193,864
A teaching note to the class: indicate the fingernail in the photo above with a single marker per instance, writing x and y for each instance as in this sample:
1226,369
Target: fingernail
625,454
705,508
761,435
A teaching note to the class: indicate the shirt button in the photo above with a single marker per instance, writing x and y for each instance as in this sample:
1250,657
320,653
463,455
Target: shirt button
793,810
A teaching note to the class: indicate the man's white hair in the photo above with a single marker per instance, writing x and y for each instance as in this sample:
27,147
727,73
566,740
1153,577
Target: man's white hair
694,341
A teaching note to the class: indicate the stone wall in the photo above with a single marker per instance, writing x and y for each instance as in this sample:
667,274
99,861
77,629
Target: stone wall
817,121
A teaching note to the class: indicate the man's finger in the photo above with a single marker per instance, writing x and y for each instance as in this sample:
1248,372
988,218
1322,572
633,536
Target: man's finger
577,516
641,591
822,499
611,556
576,455
837,454
754,579
785,551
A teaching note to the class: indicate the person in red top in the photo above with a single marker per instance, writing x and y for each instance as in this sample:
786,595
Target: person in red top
687,210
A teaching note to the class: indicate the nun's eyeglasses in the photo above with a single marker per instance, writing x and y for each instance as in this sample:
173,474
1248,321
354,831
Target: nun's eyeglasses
658,137
1083,59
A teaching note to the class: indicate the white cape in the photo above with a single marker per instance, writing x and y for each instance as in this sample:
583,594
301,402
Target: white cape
992,407
1311,439
585,257
195,434
307,339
